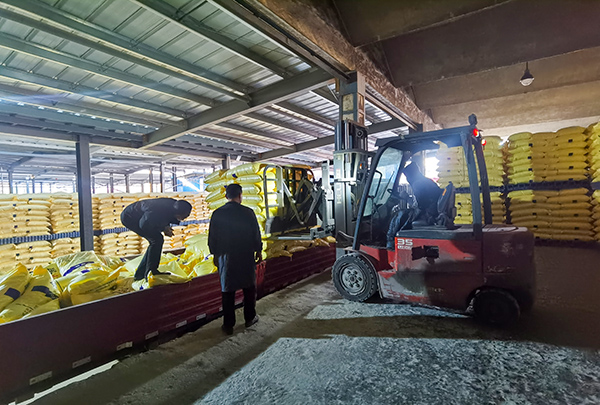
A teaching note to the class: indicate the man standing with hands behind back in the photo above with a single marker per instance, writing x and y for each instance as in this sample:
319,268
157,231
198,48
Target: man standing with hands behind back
234,240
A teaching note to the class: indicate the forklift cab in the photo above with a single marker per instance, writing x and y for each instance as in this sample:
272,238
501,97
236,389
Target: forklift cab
385,193
482,266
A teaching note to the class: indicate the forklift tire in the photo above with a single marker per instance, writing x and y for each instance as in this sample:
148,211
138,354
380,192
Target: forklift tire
354,277
496,307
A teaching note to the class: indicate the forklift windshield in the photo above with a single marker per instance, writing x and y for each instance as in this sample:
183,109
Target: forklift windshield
384,180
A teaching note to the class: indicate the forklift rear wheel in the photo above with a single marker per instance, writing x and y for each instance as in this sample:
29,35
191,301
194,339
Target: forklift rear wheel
354,277
496,307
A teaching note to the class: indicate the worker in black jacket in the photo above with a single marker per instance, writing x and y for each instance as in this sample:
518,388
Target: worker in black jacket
234,240
149,219
426,193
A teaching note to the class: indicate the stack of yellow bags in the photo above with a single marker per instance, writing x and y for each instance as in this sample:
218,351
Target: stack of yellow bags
107,215
251,177
117,244
64,213
64,246
30,215
452,166
464,209
32,254
549,214
593,132
595,214
548,156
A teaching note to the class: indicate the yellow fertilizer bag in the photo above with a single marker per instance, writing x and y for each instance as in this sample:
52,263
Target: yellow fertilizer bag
250,179
215,195
49,306
78,299
12,285
172,267
93,281
79,262
217,204
521,136
245,170
217,185
39,291
216,175
205,267
161,279
570,131
197,245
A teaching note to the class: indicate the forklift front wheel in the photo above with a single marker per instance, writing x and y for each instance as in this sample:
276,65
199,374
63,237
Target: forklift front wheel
496,307
354,277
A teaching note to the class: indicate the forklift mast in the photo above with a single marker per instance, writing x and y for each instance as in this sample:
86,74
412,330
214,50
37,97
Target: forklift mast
350,167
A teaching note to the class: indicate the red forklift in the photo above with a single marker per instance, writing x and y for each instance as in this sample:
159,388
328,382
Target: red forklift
483,269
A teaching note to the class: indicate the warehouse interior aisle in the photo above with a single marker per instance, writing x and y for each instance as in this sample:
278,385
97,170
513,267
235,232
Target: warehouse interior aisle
311,346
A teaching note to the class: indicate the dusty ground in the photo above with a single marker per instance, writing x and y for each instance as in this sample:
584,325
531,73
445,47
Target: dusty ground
313,347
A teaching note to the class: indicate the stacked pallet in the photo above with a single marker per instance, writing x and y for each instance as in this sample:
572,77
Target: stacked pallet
464,208
553,214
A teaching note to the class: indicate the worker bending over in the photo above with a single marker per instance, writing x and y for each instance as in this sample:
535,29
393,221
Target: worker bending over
426,192
234,240
149,219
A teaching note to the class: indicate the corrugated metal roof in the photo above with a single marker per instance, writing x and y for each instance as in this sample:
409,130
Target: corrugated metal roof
119,69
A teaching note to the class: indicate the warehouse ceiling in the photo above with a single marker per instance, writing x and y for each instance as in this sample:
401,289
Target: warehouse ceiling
178,82
467,56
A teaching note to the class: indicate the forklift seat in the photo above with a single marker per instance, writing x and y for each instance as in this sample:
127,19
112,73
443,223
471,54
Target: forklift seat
446,207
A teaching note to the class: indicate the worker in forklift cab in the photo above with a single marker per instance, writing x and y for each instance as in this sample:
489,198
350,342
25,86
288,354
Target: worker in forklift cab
150,219
235,242
426,193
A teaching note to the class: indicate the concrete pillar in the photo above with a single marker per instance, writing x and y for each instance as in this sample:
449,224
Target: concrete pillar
151,180
84,191
111,183
128,183
32,185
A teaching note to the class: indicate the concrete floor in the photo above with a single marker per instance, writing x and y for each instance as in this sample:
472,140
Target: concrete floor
313,347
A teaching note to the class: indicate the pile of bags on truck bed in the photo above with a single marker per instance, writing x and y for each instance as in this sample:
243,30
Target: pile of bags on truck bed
83,277
278,248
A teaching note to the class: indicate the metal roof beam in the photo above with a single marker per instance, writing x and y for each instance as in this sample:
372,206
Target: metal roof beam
19,45
268,136
200,143
66,118
211,141
122,47
267,95
60,102
174,16
389,125
81,90
21,161
228,136
300,147
283,124
61,136
67,129
245,12
306,113
192,152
